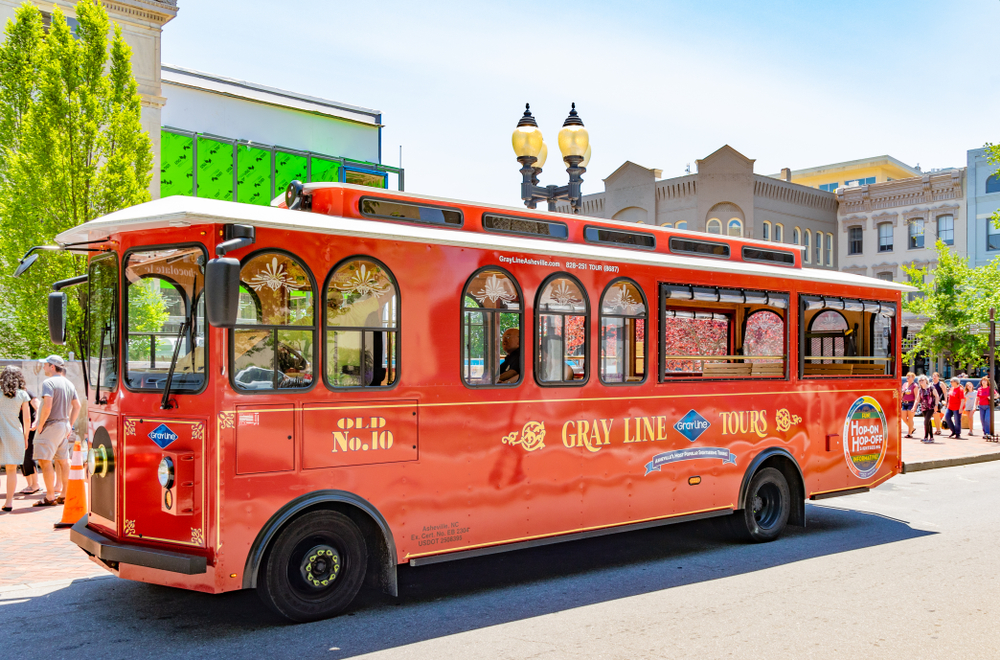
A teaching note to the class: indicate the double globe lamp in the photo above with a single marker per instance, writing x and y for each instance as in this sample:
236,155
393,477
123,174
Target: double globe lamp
531,152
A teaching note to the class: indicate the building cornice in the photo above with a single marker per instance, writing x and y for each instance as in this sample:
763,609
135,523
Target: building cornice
927,189
154,11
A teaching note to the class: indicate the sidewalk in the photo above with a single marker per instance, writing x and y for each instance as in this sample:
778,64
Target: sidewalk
945,451
32,551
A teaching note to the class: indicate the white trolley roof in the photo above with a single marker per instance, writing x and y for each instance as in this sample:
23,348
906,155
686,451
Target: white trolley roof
182,211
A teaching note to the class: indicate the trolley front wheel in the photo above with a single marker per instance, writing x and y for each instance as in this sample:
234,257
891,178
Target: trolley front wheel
766,509
315,567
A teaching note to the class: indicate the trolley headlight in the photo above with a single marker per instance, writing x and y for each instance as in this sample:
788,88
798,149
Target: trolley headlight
98,462
165,473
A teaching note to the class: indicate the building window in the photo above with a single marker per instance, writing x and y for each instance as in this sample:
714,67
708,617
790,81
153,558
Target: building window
946,229
668,225
829,187
623,333
797,236
714,226
992,235
362,325
885,277
916,234
829,249
735,227
766,231
491,329
681,225
885,237
272,345
561,330
860,182
779,230
818,248
993,184
808,252
855,242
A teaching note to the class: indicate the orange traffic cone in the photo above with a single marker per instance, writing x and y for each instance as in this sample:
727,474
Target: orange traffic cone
76,493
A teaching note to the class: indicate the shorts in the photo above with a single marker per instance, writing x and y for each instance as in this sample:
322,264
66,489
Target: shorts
908,405
52,444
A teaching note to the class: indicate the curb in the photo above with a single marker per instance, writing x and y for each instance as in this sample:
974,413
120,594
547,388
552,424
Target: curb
949,462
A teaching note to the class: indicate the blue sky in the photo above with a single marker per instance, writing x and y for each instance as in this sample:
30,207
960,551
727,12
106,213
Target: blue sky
791,84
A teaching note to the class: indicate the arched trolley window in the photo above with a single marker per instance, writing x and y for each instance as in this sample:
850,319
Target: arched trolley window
843,337
492,312
562,310
361,335
273,344
623,333
710,332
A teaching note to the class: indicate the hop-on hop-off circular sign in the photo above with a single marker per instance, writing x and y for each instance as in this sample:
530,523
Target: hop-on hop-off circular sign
865,437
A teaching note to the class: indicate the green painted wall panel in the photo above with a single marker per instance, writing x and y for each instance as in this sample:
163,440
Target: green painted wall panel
215,169
287,167
254,183
325,170
176,164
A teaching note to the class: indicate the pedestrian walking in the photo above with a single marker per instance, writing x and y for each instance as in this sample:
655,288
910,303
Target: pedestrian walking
926,405
13,435
983,395
955,403
938,387
60,408
970,407
908,402
28,467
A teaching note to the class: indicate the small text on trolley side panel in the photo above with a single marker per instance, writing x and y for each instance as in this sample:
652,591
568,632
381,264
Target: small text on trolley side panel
440,534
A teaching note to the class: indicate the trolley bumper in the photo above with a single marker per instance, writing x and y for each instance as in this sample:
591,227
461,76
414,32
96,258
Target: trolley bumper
108,550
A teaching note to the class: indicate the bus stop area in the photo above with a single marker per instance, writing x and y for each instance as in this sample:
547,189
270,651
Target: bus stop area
40,555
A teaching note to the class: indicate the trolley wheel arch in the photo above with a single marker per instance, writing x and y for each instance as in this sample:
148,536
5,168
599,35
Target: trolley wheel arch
381,571
781,460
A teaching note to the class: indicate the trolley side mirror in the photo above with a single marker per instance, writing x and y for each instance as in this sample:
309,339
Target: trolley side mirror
222,291
57,317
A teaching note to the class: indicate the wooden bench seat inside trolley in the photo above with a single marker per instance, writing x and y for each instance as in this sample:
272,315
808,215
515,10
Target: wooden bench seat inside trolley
742,369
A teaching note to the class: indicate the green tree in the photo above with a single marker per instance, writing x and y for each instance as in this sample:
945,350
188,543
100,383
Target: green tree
950,303
74,150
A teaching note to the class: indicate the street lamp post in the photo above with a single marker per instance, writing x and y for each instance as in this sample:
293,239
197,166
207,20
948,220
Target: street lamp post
531,152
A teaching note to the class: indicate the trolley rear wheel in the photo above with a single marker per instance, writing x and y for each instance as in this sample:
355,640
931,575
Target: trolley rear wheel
766,508
314,568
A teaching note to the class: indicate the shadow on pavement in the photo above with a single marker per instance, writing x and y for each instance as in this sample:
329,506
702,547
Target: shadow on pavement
125,619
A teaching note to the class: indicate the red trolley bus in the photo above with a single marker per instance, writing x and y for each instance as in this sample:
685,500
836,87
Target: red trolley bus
299,398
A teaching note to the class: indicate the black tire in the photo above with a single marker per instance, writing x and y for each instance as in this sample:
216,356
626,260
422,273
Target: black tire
766,508
316,547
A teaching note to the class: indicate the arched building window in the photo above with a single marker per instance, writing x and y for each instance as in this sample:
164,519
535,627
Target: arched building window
623,333
361,305
735,227
714,226
827,336
491,329
273,344
807,239
993,184
561,312
779,232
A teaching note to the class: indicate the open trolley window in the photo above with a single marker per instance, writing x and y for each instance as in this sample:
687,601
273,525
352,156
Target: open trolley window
711,332
846,337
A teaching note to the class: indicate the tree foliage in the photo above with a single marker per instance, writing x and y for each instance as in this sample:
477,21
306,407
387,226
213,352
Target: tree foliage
952,303
73,149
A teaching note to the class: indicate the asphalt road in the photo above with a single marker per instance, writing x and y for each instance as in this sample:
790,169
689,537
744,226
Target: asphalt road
906,571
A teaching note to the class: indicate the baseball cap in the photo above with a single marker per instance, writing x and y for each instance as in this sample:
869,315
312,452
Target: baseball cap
54,360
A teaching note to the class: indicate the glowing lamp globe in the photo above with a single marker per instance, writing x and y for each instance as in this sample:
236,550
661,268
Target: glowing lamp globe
527,139
573,138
